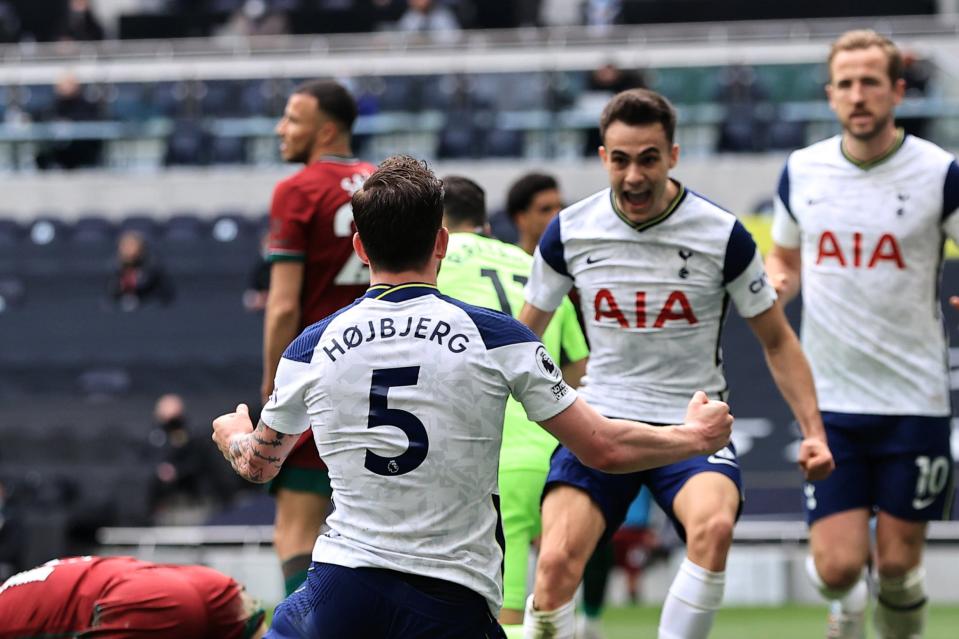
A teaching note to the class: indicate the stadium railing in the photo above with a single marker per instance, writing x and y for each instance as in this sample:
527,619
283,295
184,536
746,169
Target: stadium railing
746,532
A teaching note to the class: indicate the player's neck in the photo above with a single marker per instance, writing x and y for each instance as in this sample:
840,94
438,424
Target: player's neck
866,151
339,149
420,276
527,243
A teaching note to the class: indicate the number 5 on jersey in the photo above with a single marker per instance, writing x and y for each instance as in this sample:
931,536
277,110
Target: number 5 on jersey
382,415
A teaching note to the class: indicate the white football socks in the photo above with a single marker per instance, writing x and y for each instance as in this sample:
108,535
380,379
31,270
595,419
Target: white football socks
549,624
694,597
901,611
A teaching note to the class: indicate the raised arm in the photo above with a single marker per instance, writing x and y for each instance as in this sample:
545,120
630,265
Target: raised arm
791,372
255,454
784,268
623,446
281,321
535,318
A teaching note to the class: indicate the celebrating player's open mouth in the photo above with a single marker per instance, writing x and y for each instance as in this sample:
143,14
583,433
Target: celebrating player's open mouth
635,199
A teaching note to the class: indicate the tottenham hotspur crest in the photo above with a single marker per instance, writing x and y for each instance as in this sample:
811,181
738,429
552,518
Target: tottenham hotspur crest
685,255
546,364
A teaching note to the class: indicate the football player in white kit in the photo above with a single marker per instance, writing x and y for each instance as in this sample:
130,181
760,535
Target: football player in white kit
655,265
405,392
860,221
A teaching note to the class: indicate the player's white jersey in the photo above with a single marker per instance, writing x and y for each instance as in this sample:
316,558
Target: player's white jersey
405,391
653,297
871,239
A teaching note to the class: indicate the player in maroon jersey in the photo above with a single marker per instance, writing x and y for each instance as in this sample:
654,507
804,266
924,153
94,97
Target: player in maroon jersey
125,598
314,272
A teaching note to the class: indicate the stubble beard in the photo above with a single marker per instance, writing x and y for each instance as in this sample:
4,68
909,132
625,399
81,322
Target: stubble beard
872,132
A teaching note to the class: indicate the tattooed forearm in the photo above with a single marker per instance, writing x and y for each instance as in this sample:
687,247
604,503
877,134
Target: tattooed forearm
249,462
260,438
266,458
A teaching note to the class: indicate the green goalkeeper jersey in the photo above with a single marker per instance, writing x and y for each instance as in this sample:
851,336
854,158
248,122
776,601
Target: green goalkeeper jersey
486,272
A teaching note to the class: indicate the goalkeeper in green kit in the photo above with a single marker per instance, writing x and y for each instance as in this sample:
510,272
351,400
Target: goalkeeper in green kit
483,271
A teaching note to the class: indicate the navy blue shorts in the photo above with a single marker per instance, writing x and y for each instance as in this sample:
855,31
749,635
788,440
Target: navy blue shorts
899,464
368,603
613,493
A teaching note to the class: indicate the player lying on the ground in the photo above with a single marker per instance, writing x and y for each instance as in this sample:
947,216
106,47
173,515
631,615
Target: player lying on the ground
125,598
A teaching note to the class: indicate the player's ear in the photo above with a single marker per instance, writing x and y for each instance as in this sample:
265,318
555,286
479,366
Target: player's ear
899,90
360,249
673,156
442,242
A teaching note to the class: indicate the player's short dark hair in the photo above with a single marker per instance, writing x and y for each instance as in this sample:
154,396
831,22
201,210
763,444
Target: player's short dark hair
333,100
523,190
639,107
464,201
398,212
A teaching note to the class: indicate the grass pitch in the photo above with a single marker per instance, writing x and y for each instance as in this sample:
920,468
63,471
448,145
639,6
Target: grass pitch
788,622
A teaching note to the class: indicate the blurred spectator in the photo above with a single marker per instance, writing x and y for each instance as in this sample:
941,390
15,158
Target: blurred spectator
428,16
257,17
9,23
532,202
602,13
604,82
186,484
71,105
916,72
611,79
258,284
138,279
79,23
12,540
747,116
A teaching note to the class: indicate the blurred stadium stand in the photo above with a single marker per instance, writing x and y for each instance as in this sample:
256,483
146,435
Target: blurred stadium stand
520,93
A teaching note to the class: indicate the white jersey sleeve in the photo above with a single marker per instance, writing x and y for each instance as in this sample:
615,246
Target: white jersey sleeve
950,203
550,280
535,380
744,275
785,230
286,412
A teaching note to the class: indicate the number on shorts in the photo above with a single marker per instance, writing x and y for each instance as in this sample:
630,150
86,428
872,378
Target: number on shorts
382,415
933,475
354,271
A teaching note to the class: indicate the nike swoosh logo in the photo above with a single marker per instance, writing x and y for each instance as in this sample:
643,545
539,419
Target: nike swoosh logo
919,504
712,459
590,260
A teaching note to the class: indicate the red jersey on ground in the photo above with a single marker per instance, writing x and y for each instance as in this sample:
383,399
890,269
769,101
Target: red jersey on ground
128,597
311,221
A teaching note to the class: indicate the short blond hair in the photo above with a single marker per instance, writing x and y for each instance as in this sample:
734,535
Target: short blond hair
865,39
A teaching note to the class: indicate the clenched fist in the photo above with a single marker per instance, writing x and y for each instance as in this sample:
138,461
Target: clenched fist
712,419
815,459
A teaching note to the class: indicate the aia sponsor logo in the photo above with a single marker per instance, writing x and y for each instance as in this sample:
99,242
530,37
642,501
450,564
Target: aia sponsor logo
676,308
857,251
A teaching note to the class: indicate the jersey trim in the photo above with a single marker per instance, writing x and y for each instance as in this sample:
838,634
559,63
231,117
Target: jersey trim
400,292
739,252
279,255
869,164
552,249
301,349
950,191
783,191
495,328
642,226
